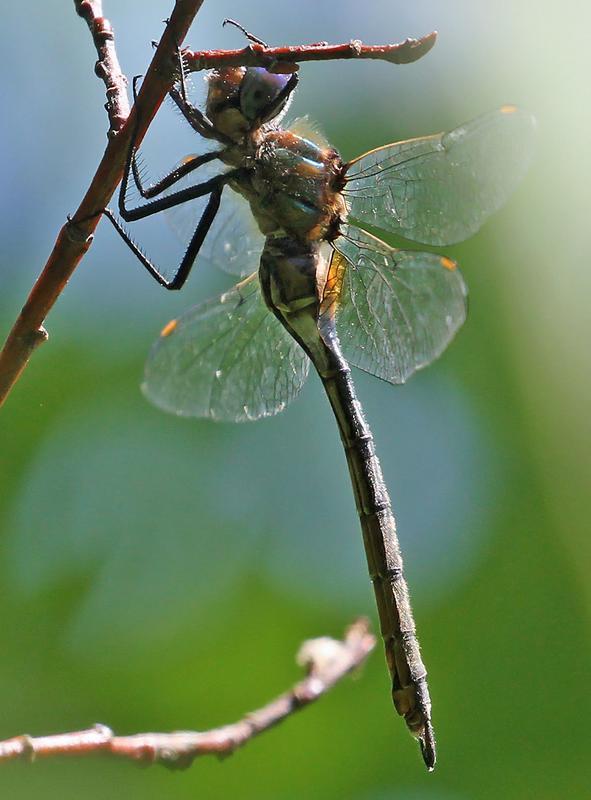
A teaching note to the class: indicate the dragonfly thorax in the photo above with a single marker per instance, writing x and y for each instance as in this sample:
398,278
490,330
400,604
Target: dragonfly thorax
296,184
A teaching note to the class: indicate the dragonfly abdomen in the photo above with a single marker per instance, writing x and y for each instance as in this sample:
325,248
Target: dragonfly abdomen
289,275
410,692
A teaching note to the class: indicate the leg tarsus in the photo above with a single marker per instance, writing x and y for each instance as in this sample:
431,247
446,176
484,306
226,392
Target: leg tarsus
249,36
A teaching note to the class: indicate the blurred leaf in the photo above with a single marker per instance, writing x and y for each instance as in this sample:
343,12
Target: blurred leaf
120,500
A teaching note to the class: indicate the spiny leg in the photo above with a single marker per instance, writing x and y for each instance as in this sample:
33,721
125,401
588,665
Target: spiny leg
212,187
185,168
171,200
184,268
194,116
171,177
176,198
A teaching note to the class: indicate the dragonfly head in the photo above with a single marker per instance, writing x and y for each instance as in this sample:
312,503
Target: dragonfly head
241,99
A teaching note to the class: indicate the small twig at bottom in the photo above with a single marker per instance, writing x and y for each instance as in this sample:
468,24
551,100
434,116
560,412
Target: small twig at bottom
326,661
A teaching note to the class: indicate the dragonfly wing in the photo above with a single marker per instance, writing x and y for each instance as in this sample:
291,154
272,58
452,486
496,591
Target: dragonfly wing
440,189
396,310
227,359
234,243
307,128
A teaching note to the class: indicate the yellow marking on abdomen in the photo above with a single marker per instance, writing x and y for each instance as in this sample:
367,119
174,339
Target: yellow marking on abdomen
448,263
169,328
508,109
333,284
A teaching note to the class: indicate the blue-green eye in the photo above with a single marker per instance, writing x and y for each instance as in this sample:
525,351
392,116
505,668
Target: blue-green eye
259,90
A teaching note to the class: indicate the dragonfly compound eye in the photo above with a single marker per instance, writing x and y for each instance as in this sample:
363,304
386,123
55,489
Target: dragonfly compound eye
262,94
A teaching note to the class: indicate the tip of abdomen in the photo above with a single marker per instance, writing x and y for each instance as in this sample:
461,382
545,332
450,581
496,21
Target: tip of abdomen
428,750
414,705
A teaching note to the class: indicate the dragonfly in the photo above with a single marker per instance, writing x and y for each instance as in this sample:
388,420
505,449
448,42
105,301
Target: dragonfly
317,288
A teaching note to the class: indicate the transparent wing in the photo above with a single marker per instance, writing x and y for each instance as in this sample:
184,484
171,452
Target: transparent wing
234,243
440,189
227,359
183,219
396,310
307,128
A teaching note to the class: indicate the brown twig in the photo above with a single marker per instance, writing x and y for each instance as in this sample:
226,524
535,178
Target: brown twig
75,237
326,660
107,67
259,55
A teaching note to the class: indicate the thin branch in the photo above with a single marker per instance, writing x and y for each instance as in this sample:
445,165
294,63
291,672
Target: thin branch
107,67
326,661
75,237
259,55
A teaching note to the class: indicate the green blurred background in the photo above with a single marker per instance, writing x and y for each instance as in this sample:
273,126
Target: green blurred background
160,573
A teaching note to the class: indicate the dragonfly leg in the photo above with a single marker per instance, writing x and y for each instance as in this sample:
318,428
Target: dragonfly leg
167,180
194,116
184,268
212,187
248,35
174,199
